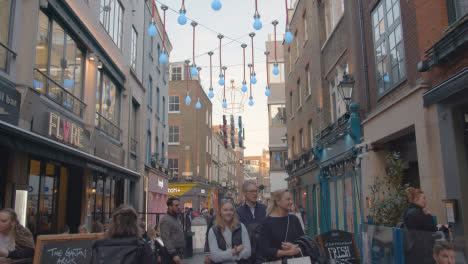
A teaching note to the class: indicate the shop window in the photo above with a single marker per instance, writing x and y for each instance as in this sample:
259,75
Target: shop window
333,205
111,17
349,205
103,195
5,29
108,106
59,66
277,114
340,204
388,45
174,104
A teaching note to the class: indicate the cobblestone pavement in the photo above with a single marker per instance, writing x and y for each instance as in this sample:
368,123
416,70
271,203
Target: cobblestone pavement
197,259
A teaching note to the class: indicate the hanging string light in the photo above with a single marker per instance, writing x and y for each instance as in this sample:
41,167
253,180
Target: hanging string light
221,76
224,90
288,37
244,83
257,23
253,80
216,5
267,91
163,57
251,102
211,93
198,105
275,65
187,98
194,71
152,28
182,19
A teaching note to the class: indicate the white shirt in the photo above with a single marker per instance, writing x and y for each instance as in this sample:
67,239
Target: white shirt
7,242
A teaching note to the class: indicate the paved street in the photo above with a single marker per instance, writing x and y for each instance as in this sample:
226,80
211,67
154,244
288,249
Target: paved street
197,259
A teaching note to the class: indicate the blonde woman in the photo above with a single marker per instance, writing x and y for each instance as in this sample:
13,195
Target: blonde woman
15,240
296,212
228,239
280,229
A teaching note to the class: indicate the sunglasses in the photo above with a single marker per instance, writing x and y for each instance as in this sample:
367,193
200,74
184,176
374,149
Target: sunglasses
227,200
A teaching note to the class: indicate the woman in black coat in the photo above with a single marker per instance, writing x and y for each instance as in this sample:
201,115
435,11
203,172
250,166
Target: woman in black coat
421,227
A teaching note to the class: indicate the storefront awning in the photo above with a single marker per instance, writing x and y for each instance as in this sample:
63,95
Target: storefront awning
450,87
26,141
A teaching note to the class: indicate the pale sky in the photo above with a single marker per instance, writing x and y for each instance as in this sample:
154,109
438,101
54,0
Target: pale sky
234,20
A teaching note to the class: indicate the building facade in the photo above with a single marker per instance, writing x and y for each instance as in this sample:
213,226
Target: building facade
190,140
72,73
277,117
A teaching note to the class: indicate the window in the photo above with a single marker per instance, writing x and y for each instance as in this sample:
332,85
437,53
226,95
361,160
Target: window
111,17
174,104
134,128
173,166
159,54
151,47
150,92
207,147
289,59
148,145
174,134
293,146
133,54
277,159
59,65
5,18
156,146
206,116
299,94
297,45
163,154
307,76
388,45
334,10
277,78
304,18
311,134
108,106
164,110
157,100
301,134
176,74
277,115
456,9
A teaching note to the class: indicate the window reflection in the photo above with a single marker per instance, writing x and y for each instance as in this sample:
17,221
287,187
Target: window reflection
277,115
5,13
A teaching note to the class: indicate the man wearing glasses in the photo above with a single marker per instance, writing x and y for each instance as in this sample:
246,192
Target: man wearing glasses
252,214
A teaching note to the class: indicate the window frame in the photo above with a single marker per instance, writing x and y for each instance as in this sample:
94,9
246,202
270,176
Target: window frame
173,134
150,93
133,51
276,106
176,74
172,168
305,26
118,89
9,51
174,104
106,24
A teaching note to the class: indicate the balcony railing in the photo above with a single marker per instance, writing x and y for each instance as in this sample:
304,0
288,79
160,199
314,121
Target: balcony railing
107,126
57,93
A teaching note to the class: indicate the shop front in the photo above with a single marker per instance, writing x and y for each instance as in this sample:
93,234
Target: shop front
191,195
157,196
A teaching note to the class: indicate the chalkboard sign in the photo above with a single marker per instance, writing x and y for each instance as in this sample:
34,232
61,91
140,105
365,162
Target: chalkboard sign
339,246
64,249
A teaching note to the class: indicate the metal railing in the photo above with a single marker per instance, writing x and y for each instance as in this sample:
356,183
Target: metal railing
57,93
8,49
107,126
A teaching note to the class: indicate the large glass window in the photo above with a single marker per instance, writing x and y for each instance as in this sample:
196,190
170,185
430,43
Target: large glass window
103,195
277,115
133,54
5,18
277,159
173,134
388,45
173,166
176,74
456,9
59,65
108,106
111,17
174,104
334,10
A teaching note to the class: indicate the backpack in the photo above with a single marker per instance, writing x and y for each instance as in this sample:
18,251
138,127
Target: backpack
127,250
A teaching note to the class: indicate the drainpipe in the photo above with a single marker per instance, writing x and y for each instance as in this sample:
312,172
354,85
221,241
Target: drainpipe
364,55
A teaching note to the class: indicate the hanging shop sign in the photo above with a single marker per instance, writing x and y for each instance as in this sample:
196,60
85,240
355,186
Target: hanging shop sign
10,101
179,189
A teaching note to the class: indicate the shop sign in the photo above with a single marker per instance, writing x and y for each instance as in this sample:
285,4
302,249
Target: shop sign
65,130
202,191
161,183
173,190
179,189
10,101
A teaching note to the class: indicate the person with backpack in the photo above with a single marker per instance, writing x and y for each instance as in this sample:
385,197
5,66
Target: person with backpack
123,243
172,232
228,239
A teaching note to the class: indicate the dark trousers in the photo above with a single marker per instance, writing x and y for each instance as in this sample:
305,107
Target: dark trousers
167,259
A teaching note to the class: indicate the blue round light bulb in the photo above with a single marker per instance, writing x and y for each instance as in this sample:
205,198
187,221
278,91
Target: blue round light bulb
162,58
251,102
224,104
257,24
182,19
194,71
253,80
275,70
187,99
221,81
198,105
152,31
288,37
216,5
267,92
211,93
244,88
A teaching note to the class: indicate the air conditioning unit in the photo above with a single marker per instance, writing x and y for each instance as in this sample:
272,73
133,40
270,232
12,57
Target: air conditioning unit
43,3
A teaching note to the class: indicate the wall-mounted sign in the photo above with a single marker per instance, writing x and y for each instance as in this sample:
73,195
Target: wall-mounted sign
64,130
10,101
160,183
173,190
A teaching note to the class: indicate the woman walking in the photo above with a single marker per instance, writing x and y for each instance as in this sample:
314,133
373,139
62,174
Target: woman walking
16,241
228,239
123,243
280,229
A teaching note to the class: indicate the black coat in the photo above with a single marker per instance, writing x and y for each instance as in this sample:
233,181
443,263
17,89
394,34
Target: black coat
126,250
415,218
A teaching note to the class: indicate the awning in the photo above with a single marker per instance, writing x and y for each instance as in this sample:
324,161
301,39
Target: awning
179,189
449,87
19,139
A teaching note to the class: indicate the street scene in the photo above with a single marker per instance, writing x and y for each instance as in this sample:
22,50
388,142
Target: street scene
234,131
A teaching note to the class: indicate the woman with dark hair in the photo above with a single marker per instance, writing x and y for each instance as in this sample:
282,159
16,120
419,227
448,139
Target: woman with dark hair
123,243
15,240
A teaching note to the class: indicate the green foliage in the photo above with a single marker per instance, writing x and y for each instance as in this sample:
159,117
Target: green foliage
388,196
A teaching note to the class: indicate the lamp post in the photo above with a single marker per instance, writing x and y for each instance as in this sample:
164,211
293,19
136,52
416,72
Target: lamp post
345,88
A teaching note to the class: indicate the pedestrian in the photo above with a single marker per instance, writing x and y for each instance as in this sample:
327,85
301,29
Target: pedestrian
16,241
144,233
252,214
444,253
280,229
172,232
82,229
187,220
65,230
228,239
158,245
97,227
297,213
420,226
123,243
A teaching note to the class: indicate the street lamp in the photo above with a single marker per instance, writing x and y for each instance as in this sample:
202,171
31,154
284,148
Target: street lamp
345,88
